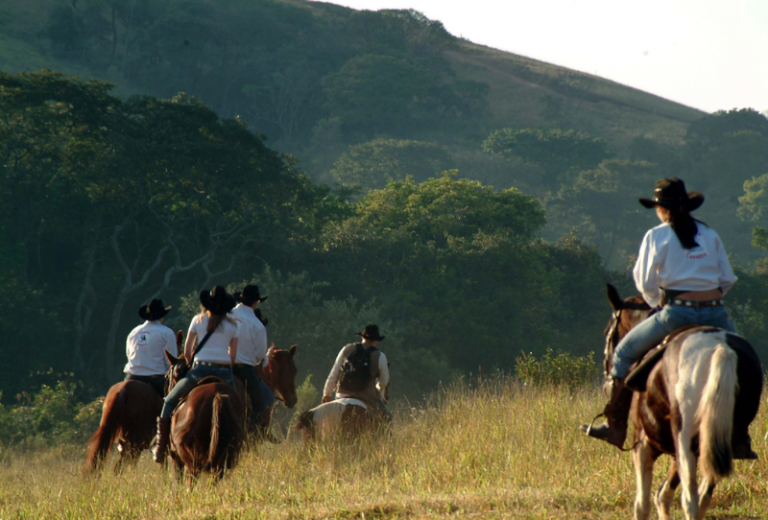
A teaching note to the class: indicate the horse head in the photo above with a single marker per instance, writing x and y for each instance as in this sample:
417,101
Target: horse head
280,375
179,369
627,313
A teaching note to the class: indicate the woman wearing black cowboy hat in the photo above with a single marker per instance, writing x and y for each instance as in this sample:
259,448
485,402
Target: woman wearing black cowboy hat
374,389
682,267
146,346
216,335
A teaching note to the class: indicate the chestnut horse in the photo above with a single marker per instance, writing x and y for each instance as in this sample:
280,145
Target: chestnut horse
280,374
702,394
207,430
128,417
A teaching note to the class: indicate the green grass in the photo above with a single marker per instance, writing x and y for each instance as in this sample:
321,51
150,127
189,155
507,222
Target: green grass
502,451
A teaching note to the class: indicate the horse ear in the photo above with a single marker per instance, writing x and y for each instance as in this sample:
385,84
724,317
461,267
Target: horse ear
613,297
179,339
292,350
271,351
172,360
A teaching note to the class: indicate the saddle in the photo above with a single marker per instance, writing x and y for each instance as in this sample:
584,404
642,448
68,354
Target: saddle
637,379
207,380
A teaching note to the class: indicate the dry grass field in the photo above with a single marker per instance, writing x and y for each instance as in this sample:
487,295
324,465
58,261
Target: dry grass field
498,451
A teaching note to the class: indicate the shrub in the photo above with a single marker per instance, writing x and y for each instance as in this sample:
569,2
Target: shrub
557,369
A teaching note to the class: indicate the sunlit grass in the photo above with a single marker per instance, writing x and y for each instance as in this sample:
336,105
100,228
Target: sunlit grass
498,451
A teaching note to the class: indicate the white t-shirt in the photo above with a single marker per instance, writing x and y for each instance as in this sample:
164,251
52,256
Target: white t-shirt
216,349
252,340
663,263
145,348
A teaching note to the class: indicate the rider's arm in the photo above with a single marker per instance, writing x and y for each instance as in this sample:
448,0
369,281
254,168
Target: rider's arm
727,278
646,271
191,338
383,376
333,377
233,349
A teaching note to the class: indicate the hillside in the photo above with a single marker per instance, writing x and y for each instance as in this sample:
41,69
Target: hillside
519,87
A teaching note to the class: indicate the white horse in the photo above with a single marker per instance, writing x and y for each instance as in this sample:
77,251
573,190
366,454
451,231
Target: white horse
346,417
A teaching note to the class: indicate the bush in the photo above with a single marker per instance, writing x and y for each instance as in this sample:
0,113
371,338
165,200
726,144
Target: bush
52,416
557,369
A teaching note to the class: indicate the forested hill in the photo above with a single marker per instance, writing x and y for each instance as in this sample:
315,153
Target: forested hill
360,166
409,98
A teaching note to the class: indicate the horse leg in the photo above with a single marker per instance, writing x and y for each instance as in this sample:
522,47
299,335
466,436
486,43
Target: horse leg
686,461
666,493
705,496
643,456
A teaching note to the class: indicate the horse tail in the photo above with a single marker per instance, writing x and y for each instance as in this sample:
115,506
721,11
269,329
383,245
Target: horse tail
226,433
109,428
715,415
306,424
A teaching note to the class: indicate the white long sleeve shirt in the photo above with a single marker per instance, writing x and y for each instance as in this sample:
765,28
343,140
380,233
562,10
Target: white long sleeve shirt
145,348
663,264
382,377
252,340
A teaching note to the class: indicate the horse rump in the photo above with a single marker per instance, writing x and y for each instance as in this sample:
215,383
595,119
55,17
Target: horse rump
109,428
715,415
227,434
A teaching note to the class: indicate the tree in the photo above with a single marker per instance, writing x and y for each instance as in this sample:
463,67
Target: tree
602,205
375,93
558,152
376,163
124,200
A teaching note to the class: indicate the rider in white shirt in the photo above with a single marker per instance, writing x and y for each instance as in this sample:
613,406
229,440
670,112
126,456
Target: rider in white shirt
374,391
146,346
682,268
252,358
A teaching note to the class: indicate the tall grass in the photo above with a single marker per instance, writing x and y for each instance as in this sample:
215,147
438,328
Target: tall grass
493,450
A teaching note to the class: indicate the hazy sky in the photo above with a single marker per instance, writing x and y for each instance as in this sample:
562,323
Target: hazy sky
708,54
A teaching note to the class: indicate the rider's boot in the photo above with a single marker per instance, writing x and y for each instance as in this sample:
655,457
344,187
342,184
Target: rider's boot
163,439
614,431
741,445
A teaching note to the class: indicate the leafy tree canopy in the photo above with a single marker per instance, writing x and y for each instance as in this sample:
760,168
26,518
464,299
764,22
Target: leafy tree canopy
375,163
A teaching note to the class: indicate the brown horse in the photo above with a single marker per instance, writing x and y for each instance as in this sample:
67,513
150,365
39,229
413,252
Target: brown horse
207,429
128,417
280,374
700,397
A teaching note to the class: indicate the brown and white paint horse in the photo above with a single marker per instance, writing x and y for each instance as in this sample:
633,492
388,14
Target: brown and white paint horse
343,417
128,417
702,394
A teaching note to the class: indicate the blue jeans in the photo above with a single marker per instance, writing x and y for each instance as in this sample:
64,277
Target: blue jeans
260,394
654,329
190,381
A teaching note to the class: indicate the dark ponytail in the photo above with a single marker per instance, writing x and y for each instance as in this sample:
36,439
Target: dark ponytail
685,227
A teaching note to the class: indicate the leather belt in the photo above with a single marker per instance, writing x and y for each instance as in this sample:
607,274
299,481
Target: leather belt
214,365
694,304
257,367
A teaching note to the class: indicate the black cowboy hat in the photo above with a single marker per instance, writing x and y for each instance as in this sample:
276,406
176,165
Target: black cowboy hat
154,311
217,301
249,295
371,332
670,193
